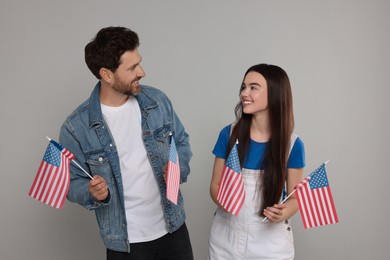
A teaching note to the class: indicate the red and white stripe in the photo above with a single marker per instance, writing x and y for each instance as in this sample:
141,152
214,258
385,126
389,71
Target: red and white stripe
173,181
231,193
51,183
316,205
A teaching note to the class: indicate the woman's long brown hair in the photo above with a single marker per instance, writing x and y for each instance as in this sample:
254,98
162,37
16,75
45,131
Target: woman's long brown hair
281,121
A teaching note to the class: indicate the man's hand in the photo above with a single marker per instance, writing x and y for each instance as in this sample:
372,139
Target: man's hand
98,188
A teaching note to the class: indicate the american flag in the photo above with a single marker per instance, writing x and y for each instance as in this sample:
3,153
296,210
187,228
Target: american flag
173,173
51,182
231,192
315,200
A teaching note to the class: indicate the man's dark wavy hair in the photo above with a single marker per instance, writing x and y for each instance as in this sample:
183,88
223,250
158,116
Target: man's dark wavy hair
106,49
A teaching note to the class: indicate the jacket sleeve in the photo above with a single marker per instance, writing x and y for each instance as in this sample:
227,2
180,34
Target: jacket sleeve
182,145
79,181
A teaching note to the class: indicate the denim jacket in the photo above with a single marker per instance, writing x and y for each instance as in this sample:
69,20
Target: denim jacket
86,134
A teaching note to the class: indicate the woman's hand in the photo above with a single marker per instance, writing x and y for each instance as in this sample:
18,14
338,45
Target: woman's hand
275,213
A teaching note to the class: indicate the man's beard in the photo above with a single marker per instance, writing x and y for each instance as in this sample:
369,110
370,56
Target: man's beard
127,89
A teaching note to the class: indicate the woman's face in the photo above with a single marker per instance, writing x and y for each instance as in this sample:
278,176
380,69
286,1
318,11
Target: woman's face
254,93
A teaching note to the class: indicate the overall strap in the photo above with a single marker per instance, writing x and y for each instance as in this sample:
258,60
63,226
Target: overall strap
231,127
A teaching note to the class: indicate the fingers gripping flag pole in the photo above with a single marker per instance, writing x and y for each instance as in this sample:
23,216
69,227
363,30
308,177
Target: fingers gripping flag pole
231,192
52,180
173,173
305,202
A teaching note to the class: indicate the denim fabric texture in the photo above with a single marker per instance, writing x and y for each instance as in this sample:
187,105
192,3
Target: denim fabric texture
86,134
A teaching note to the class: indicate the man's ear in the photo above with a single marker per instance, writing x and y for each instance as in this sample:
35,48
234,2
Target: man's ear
106,75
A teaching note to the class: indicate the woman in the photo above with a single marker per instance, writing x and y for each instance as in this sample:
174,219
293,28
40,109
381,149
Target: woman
272,160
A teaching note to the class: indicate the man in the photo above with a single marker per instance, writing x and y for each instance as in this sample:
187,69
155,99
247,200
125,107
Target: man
121,135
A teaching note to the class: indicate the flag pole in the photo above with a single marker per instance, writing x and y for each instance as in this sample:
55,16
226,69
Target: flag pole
290,195
78,165
73,161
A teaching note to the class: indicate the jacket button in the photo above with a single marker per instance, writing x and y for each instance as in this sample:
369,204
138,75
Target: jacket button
100,159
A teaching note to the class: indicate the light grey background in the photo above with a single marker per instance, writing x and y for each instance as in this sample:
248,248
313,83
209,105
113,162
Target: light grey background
335,52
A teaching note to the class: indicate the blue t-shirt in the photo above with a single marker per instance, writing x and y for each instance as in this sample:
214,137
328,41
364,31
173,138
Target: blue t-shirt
253,159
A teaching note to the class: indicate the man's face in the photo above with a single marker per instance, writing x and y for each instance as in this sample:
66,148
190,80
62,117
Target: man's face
128,74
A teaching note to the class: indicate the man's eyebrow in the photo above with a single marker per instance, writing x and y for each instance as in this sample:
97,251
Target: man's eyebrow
136,64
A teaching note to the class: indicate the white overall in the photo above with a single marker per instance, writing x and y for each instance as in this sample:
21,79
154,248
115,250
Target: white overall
246,236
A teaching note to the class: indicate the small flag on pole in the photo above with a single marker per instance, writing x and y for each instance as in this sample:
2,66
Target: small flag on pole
173,173
231,192
315,200
51,182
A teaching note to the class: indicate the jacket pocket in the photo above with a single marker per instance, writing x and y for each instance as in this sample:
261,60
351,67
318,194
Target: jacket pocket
99,164
162,135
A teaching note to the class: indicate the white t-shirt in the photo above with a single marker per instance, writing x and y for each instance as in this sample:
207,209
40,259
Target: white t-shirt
144,212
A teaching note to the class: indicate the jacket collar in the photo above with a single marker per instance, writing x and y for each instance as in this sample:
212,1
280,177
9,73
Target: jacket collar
144,100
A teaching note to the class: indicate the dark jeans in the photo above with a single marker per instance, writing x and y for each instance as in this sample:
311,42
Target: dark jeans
175,246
